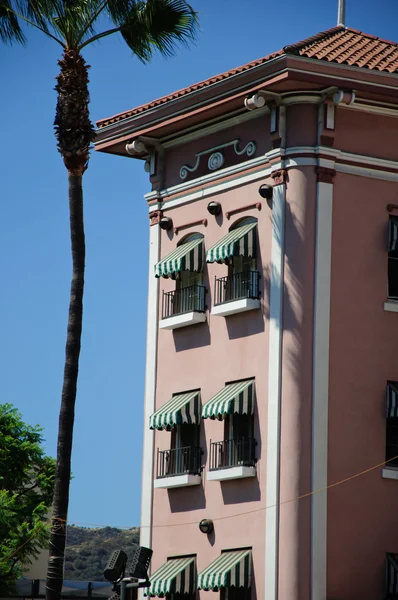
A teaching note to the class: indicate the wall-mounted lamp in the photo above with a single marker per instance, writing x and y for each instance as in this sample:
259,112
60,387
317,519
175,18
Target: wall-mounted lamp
266,192
214,208
206,526
165,223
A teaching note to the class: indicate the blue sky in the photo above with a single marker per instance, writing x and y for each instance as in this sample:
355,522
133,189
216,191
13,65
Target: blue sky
34,234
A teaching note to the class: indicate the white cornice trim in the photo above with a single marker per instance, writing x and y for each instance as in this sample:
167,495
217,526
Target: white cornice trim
371,108
342,67
220,187
321,156
182,187
366,172
341,78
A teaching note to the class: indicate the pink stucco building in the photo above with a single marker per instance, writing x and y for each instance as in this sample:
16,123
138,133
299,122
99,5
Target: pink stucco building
272,310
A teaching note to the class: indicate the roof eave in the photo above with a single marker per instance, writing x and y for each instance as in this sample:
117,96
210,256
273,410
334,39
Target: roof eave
174,116
195,98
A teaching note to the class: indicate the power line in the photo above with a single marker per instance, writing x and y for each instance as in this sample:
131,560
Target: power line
248,512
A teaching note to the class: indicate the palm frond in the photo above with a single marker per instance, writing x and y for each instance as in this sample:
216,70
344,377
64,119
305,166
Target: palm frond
10,30
67,20
154,25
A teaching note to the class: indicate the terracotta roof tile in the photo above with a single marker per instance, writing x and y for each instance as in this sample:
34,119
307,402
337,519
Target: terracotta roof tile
342,45
351,47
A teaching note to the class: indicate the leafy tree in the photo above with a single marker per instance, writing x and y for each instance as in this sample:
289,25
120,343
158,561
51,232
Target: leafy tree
146,26
26,488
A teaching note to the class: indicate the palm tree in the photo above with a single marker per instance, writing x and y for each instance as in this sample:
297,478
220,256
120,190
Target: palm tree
146,26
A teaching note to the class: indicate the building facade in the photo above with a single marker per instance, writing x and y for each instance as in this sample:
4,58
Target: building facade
270,396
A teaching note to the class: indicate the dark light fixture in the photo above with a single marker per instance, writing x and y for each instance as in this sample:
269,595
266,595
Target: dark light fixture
206,526
266,191
214,208
140,563
165,223
115,566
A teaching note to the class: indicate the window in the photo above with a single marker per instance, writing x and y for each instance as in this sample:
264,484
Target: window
185,454
393,258
239,442
233,593
236,593
392,424
189,295
392,442
239,246
233,404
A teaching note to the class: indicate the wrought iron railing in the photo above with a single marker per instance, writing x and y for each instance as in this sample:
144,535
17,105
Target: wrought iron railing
179,461
232,453
184,300
236,287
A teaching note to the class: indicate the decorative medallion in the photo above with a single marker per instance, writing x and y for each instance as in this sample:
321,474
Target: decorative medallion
216,161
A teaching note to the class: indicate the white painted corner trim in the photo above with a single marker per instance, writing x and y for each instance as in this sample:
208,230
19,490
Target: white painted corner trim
271,567
177,481
235,306
231,473
150,390
183,320
320,389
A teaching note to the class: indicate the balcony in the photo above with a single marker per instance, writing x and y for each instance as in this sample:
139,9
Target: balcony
183,307
236,293
178,467
232,459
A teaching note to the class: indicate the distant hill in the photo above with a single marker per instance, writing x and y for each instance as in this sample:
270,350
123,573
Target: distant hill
88,550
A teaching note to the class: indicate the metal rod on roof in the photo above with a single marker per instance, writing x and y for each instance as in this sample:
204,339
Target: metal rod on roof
341,13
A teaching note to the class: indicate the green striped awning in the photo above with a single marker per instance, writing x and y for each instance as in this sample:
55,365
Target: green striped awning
181,408
232,568
238,242
234,398
186,257
176,576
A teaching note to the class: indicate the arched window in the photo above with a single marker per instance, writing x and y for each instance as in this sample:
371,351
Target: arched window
194,275
244,258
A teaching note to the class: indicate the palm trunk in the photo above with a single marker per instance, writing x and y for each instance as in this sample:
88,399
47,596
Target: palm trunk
67,412
74,133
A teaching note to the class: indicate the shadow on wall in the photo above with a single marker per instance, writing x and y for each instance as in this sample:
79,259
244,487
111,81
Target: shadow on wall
290,321
241,490
240,325
195,336
187,498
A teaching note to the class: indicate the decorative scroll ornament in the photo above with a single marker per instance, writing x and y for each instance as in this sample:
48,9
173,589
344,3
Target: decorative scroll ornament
216,159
